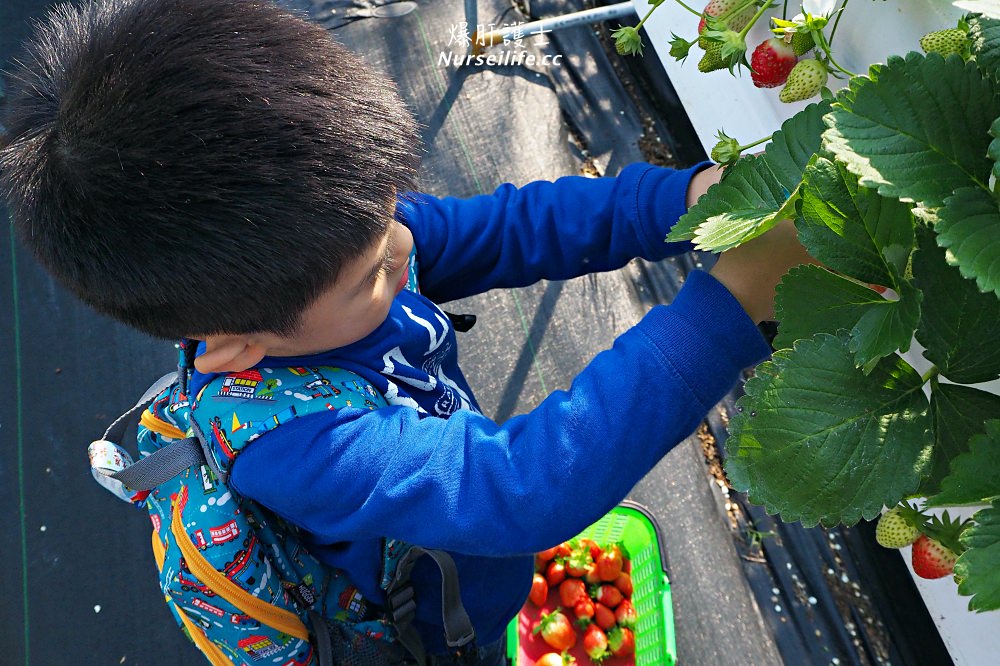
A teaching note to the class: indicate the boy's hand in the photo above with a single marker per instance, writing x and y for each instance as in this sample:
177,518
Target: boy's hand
752,271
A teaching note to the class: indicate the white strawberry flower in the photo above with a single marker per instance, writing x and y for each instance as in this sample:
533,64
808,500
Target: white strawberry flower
818,7
815,15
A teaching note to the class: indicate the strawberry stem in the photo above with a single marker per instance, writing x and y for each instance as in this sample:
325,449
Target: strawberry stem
840,13
693,11
651,10
821,40
756,17
756,143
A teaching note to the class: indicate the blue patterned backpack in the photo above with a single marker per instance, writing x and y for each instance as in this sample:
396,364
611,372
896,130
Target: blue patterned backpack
237,578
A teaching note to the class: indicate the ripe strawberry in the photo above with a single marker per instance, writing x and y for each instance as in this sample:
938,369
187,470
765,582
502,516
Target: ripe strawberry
604,616
805,80
553,659
595,643
735,21
931,559
584,610
578,561
625,614
609,595
539,590
609,563
899,526
624,584
555,573
621,640
572,590
556,630
945,42
771,62
935,552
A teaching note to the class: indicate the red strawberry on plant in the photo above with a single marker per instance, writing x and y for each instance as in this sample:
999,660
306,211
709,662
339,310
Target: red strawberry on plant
609,595
539,590
604,617
571,591
625,614
805,80
931,559
556,630
624,584
771,63
555,573
610,563
935,552
595,643
621,641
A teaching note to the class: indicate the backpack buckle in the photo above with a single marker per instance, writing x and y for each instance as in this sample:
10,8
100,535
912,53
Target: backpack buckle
401,605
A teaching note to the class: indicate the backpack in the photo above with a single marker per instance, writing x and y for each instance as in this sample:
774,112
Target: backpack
237,578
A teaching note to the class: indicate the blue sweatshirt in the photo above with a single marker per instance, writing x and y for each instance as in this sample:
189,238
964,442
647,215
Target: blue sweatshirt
430,469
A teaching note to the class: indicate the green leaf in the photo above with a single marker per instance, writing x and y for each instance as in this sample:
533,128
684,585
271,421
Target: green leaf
968,226
975,475
987,7
886,326
958,413
984,34
917,129
847,227
818,441
958,323
994,150
791,147
976,570
810,299
749,193
758,191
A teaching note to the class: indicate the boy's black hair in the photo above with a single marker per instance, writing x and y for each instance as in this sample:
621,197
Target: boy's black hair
200,166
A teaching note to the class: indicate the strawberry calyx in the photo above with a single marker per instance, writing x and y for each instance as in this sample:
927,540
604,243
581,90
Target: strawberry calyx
946,531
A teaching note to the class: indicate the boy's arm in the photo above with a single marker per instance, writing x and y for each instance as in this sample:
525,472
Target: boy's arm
548,230
470,485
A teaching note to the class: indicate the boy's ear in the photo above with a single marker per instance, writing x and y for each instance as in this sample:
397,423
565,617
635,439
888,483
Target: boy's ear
225,354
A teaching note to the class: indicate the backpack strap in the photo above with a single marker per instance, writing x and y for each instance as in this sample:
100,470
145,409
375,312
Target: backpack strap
459,633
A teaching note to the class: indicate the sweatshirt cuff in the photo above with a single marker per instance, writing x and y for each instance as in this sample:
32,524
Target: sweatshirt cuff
706,336
660,200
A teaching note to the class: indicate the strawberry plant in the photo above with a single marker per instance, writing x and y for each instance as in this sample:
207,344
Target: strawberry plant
891,184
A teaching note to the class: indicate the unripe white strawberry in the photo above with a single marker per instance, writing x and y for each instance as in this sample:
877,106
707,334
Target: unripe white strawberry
894,530
805,80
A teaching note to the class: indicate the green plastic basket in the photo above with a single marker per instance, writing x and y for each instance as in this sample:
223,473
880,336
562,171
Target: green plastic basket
632,525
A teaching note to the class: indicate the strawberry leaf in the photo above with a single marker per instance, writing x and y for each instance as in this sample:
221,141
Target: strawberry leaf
811,299
758,191
818,441
975,475
958,413
795,143
886,326
748,186
958,322
976,570
984,33
968,226
916,128
848,227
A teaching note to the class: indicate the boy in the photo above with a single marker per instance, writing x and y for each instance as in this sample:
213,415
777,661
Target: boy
223,171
